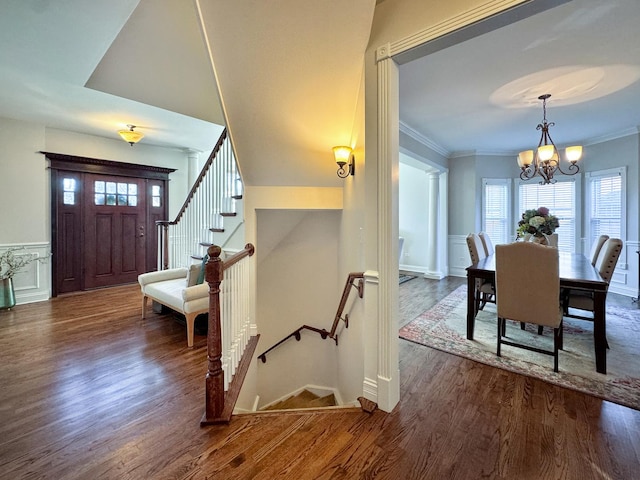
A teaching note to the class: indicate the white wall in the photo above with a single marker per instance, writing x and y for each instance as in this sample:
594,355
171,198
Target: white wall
351,350
25,186
413,218
297,286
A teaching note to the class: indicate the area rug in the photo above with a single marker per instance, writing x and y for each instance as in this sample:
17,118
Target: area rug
444,327
405,278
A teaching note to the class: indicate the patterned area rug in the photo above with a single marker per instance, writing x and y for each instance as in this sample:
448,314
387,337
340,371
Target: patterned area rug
444,327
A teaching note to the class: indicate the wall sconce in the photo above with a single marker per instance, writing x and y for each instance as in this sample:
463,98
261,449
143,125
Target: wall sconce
345,157
130,136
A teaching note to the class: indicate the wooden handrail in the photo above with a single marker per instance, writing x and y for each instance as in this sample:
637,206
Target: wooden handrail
248,250
343,301
203,172
323,333
215,401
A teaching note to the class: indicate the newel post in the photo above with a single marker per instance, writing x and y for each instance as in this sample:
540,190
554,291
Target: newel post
214,272
163,235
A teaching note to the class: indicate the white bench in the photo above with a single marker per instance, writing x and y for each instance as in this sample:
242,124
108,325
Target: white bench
169,288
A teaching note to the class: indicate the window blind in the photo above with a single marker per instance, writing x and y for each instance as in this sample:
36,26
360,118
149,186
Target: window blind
496,211
605,209
559,198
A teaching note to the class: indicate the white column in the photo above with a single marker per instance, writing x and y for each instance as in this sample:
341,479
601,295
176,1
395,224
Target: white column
433,220
193,166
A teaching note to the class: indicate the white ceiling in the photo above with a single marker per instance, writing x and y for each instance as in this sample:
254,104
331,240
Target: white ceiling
481,95
92,67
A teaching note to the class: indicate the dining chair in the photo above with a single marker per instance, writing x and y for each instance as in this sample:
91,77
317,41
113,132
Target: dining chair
605,264
596,247
485,292
486,243
515,302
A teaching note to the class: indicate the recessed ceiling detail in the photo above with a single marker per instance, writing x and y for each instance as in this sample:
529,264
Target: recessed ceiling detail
569,85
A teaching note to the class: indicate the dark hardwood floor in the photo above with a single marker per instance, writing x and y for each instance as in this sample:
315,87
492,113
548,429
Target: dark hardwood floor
89,391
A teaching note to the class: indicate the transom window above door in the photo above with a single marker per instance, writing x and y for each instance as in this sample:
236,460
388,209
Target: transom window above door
115,193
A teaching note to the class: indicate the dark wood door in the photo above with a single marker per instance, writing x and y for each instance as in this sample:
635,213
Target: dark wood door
114,230
103,216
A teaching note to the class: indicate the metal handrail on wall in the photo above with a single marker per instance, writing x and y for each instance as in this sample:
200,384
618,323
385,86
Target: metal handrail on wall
353,276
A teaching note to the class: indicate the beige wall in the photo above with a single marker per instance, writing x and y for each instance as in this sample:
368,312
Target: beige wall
24,184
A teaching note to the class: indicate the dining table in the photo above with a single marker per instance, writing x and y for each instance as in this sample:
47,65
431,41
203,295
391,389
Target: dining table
576,273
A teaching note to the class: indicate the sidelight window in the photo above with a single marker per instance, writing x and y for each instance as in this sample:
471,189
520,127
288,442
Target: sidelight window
156,199
69,191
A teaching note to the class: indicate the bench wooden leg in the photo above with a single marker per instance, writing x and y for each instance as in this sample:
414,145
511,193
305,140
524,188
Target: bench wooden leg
191,320
144,306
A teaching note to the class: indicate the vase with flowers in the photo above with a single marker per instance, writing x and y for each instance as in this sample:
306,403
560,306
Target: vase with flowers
537,223
11,263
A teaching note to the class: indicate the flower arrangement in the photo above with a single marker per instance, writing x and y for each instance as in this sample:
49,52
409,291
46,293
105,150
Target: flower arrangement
10,263
538,222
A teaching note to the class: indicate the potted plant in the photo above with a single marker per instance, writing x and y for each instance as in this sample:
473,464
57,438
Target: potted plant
10,264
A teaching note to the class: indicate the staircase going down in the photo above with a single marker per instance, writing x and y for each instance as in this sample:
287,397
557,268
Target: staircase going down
304,399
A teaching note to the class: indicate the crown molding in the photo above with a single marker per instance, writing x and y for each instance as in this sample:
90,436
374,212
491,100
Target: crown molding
613,136
427,142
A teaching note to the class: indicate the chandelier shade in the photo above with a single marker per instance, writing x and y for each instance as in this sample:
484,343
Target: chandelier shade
130,136
545,160
344,158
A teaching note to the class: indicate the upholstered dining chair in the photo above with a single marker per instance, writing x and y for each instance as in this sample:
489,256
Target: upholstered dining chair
486,243
514,302
605,264
485,292
596,247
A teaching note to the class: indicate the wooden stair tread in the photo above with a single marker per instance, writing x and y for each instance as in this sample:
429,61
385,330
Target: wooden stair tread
326,401
304,399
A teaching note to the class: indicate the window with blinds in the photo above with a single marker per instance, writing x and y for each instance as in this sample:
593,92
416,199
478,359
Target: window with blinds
560,199
495,209
606,203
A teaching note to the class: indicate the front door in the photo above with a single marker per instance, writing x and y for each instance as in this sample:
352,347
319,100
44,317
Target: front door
103,221
114,230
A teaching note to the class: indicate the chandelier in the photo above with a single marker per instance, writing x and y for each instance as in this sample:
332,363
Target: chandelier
130,136
545,161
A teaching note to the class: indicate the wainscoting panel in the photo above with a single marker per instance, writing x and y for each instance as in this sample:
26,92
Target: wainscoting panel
33,282
625,278
458,255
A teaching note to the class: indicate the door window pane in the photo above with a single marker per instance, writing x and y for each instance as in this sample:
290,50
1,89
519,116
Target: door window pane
69,190
156,198
112,193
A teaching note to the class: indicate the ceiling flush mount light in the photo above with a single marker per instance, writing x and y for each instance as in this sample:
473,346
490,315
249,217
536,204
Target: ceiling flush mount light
130,136
344,157
545,161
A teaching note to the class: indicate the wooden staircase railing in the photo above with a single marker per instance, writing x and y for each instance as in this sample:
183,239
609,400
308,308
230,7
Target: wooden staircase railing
211,198
352,277
230,347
